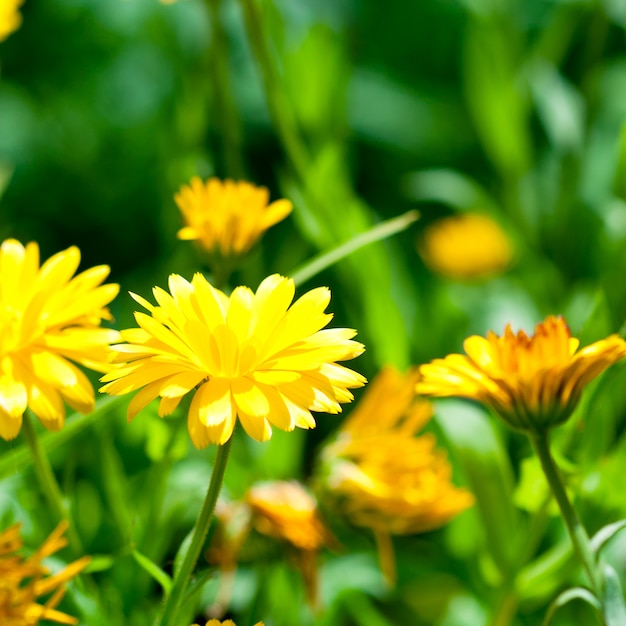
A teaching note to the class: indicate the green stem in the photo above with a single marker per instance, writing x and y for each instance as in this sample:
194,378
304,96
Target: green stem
48,482
223,96
181,579
277,101
577,532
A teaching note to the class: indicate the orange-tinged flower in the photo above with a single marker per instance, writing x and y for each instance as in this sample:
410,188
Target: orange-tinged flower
227,217
382,476
286,510
228,622
23,581
533,383
466,246
10,18
49,318
250,356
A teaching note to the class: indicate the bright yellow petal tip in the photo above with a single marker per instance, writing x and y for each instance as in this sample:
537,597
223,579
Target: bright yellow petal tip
252,357
466,246
533,383
25,580
49,320
227,217
10,18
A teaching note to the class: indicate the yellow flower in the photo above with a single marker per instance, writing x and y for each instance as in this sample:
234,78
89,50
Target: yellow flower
48,318
23,581
380,474
466,246
10,18
533,383
227,217
287,511
251,356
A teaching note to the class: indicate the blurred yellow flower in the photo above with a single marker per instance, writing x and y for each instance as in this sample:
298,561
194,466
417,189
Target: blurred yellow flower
23,581
48,318
381,475
248,356
227,217
10,18
532,383
466,246
286,510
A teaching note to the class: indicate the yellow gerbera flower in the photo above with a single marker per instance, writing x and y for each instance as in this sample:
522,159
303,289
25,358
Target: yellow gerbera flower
48,318
533,383
381,475
251,356
10,18
23,581
466,246
227,217
287,511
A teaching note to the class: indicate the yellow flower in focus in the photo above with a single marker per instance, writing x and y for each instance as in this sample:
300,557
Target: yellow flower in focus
23,581
286,510
10,18
227,217
532,383
49,318
381,475
250,356
466,246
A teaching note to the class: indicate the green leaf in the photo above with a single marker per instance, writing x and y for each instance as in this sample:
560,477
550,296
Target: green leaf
576,593
100,563
605,534
154,570
614,607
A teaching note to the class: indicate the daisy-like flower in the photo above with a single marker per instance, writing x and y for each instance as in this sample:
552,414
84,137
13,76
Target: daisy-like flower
532,383
250,356
381,475
10,18
227,217
466,246
286,511
24,581
49,318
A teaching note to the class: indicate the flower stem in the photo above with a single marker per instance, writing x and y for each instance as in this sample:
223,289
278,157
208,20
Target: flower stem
577,532
181,579
48,482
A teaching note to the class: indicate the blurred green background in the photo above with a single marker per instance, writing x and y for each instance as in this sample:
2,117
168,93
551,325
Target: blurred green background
511,108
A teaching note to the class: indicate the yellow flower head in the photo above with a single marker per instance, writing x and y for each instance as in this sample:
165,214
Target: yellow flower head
48,318
466,246
287,511
23,581
250,356
381,475
533,383
10,18
227,217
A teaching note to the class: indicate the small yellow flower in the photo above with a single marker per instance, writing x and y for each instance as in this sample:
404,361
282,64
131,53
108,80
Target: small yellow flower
227,217
249,356
532,383
23,581
380,474
466,246
49,318
285,510
10,18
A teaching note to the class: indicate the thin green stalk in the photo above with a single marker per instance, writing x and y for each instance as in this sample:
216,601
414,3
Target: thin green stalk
181,579
48,482
223,97
381,231
577,533
277,101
